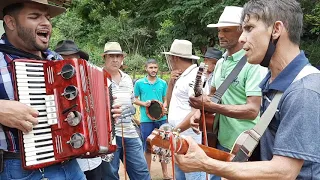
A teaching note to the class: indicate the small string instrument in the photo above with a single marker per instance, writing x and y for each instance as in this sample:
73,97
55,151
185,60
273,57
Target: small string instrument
156,110
161,142
165,142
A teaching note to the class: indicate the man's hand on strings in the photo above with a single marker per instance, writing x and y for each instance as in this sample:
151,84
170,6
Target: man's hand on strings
193,160
194,121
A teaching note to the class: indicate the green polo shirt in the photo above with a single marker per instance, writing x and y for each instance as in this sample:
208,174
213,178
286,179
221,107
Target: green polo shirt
246,84
147,91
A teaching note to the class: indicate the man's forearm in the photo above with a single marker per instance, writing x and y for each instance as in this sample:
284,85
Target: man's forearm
169,92
138,102
185,124
268,170
244,111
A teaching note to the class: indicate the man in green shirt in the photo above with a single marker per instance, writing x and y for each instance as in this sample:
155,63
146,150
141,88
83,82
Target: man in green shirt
240,104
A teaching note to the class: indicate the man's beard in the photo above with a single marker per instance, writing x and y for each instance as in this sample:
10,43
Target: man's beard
29,38
150,74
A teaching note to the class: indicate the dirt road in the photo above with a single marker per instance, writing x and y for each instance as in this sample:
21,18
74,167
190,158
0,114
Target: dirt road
156,171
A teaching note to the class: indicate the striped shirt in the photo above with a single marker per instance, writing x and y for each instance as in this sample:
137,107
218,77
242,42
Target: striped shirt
124,96
9,136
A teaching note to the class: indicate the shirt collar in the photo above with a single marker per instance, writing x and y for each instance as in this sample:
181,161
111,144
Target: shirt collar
146,81
188,70
286,76
234,57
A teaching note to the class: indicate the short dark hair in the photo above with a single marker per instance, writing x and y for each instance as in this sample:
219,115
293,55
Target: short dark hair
287,11
12,10
150,61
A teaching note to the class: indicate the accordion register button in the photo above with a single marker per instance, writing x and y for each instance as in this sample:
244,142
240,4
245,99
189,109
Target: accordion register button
49,98
52,121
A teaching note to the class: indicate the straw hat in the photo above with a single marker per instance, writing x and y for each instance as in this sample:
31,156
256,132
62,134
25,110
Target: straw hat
112,48
231,16
53,10
181,48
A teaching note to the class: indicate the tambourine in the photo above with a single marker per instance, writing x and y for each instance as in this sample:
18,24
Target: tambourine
156,110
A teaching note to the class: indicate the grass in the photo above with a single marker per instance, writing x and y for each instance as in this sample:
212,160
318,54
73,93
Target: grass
164,76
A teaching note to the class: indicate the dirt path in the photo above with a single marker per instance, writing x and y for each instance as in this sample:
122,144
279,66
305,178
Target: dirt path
156,171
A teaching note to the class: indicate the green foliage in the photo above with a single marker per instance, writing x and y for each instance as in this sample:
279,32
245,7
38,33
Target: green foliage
145,28
135,63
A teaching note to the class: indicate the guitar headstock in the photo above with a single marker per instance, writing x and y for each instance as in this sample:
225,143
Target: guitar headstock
159,143
198,85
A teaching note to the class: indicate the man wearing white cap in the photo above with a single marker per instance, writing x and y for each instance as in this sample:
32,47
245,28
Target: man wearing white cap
240,104
184,71
129,144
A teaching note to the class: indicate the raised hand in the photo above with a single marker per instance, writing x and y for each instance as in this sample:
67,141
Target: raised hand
175,75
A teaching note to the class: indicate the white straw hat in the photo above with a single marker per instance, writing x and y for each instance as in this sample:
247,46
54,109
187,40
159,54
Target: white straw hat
112,48
181,48
231,16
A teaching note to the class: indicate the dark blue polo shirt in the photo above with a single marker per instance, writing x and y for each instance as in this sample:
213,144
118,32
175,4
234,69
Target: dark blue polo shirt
295,129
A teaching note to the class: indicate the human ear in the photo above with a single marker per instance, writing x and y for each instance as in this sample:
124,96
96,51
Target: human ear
278,27
10,22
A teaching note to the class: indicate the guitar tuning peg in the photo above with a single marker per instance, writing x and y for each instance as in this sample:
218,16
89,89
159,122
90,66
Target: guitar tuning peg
167,160
161,159
156,150
178,130
154,158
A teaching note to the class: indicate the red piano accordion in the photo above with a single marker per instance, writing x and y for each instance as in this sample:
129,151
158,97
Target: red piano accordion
73,100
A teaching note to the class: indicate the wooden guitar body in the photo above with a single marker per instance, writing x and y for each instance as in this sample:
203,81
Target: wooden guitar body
209,118
241,154
211,135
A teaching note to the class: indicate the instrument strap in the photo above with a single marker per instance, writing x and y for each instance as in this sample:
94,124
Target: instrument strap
204,129
124,153
172,150
251,142
226,83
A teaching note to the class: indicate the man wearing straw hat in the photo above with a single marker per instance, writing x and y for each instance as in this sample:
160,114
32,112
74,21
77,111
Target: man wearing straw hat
130,149
27,31
181,62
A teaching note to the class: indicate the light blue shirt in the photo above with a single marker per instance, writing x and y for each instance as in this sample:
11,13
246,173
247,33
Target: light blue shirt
147,91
